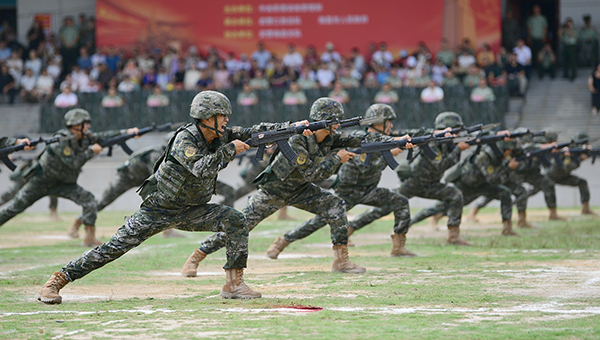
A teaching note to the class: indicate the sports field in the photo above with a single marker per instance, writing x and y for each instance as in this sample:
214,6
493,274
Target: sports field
543,285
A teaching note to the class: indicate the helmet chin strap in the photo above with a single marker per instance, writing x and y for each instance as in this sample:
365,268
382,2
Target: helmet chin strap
384,128
215,128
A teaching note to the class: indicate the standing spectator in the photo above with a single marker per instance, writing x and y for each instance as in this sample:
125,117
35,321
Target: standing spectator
261,55
5,51
588,38
44,86
516,79
8,34
221,77
537,30
27,85
112,98
293,58
568,37
126,85
386,95
7,84
66,98
485,54
382,58
547,62
594,86
338,93
306,81
87,35
84,61
157,98
35,35
259,82
331,56
510,30
524,56
191,77
432,93
294,96
34,63
247,97
325,76
113,61
281,76
482,93
69,39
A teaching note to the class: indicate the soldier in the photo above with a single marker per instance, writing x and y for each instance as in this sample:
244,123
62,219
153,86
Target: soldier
291,183
588,39
58,168
358,185
177,196
8,141
424,176
482,174
560,173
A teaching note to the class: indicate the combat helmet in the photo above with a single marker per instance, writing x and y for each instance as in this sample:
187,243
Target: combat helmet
448,119
325,109
209,103
76,117
548,137
507,145
526,140
379,113
580,135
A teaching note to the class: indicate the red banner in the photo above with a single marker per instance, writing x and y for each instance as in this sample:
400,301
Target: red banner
237,27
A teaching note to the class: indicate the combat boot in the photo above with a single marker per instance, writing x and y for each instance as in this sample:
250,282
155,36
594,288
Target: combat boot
49,292
554,215
190,268
350,232
472,217
277,247
74,229
341,262
235,287
522,220
454,236
585,209
54,214
507,228
398,249
90,239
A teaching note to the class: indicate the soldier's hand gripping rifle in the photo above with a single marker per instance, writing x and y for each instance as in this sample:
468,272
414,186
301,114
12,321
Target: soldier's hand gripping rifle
121,140
543,154
492,139
4,152
280,136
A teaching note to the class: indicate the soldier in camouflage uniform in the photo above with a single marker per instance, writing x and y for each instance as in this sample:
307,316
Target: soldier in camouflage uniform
58,168
177,196
291,183
482,174
358,185
560,172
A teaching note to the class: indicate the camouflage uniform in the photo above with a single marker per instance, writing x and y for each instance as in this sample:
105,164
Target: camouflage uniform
513,182
560,173
6,141
19,181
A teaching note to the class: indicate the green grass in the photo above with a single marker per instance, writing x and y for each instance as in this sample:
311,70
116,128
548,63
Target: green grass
542,285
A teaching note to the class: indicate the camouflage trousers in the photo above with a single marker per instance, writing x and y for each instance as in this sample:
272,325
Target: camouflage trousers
499,192
157,214
572,181
308,197
39,186
385,199
14,189
228,193
545,184
516,189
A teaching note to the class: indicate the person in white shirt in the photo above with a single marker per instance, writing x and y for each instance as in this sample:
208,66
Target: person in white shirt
99,57
293,58
325,76
524,55
66,98
432,93
191,77
34,63
92,87
44,86
126,85
382,58
465,60
15,66
27,84
330,55
261,55
53,69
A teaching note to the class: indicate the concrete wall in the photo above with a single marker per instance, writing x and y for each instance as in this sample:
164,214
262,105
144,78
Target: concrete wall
575,9
26,10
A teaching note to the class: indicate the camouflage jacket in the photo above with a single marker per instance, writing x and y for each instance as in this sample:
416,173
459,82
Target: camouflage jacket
315,161
63,161
482,168
426,170
6,141
561,166
187,172
530,166
355,174
140,165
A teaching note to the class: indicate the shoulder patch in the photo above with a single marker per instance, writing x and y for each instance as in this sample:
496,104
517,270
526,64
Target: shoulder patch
67,151
190,151
567,161
301,159
363,156
490,169
438,157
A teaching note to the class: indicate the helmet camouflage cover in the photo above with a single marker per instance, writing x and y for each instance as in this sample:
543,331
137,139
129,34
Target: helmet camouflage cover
524,141
209,103
379,113
580,135
326,109
548,137
76,117
507,145
448,119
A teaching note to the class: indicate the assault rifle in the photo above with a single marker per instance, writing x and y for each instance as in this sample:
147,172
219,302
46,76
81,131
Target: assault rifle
122,139
492,139
4,152
581,151
385,147
281,136
542,154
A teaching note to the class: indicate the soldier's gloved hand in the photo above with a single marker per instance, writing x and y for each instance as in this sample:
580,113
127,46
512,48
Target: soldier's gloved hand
345,155
513,164
25,141
463,146
96,148
135,131
240,146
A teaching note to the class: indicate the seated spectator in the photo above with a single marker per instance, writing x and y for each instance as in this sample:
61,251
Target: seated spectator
473,77
247,97
231,63
547,62
482,93
105,75
179,75
15,65
293,58
445,55
5,51
53,70
281,75
438,71
325,75
149,79
306,81
502,57
466,46
310,57
206,81
338,93
386,95
7,84
34,63
516,79
66,98
191,78
294,96
44,86
371,80
162,78
112,98
145,62
347,80
394,79
450,79
157,98
432,93
330,56
133,71
126,85
382,58
358,61
465,61
485,57
27,85
259,82
68,82
492,71
84,61
422,80
524,57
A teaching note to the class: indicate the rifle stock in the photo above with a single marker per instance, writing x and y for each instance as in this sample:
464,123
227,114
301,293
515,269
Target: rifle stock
121,140
4,152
